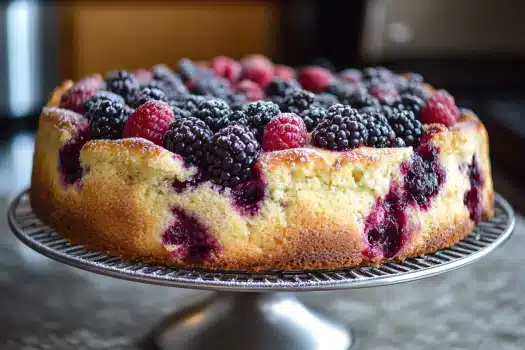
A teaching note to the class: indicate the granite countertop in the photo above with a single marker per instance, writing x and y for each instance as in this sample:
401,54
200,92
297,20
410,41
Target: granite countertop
47,305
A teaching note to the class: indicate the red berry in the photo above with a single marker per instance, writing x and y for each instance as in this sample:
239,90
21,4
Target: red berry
257,68
251,89
437,112
150,121
227,68
74,98
442,96
143,75
315,79
287,130
283,72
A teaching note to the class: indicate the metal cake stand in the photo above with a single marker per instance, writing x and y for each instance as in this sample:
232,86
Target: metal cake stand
264,317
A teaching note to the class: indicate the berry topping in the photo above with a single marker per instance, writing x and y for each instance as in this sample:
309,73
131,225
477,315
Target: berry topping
297,101
213,112
122,83
312,117
258,115
74,98
285,131
146,94
188,71
406,127
440,108
250,89
283,72
100,96
189,103
227,68
179,113
236,101
411,88
326,100
190,138
385,94
258,69
442,96
358,98
350,75
411,103
341,130
143,75
107,119
380,134
213,86
150,121
231,155
281,87
315,79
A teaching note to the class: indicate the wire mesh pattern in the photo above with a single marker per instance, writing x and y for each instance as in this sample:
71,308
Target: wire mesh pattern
40,237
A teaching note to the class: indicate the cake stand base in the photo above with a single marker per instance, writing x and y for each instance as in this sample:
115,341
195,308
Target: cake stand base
250,321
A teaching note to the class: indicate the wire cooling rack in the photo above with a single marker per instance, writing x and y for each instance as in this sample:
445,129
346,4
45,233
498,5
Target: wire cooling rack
485,238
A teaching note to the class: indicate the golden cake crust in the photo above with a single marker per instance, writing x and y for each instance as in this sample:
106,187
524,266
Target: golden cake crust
312,217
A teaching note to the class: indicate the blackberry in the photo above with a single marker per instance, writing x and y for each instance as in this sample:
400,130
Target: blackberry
236,101
398,142
231,155
107,120
97,97
178,112
259,114
414,77
281,87
168,81
122,83
214,113
341,130
326,100
414,89
380,134
312,117
297,101
189,71
376,73
146,94
358,98
189,137
189,103
410,103
388,111
406,127
213,86
238,116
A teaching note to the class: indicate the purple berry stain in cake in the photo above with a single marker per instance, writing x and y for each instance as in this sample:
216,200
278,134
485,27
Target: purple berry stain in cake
386,226
69,157
472,198
193,241
248,197
189,184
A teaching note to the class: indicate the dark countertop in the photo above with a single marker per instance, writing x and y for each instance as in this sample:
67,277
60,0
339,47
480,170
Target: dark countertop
48,305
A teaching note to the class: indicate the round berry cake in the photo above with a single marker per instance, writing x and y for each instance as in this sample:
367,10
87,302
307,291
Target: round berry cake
249,165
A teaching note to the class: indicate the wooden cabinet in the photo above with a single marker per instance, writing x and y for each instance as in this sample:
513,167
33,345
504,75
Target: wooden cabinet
99,36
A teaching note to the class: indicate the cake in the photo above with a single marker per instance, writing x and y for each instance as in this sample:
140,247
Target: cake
248,165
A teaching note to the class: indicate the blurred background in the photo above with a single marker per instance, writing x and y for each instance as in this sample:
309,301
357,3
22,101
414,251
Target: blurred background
473,48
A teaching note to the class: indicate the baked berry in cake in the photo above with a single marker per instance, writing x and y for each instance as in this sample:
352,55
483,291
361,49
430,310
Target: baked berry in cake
252,165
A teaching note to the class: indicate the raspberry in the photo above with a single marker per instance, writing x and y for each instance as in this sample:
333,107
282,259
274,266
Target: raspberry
258,69
122,83
285,131
146,94
315,79
341,130
214,113
281,87
283,72
442,96
97,97
250,89
385,95
231,155
350,75
150,121
258,115
406,127
190,138
437,112
107,120
227,68
74,98
297,101
143,75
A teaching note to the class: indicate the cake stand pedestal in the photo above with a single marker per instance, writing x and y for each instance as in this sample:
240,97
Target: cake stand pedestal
265,316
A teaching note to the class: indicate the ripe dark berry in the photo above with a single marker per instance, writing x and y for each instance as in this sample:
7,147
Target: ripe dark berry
74,98
358,98
214,113
178,113
107,120
313,116
189,103
411,88
297,101
406,127
236,101
189,137
380,134
227,68
150,121
386,95
169,82
326,100
377,73
350,75
281,87
122,83
287,130
315,79
213,86
188,71
146,94
259,114
231,155
100,96
341,130
410,103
